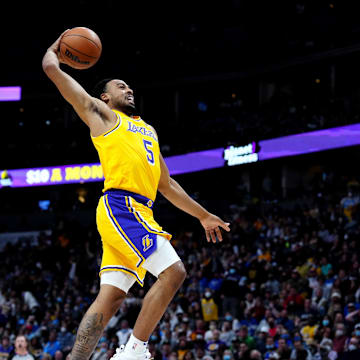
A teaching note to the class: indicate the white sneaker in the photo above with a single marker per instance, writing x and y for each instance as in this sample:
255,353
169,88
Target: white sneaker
121,354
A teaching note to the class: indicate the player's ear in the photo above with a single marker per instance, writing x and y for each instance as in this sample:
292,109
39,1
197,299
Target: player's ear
105,97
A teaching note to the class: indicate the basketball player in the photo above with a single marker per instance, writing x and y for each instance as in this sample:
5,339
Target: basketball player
133,242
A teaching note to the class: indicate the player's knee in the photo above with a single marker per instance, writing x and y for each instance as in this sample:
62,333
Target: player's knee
111,297
175,274
182,273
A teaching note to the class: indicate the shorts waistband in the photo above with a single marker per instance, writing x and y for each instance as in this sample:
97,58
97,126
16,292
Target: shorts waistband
139,198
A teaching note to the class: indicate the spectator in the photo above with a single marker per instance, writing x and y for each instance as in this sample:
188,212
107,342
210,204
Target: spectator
209,307
21,350
65,338
182,348
309,330
101,352
5,348
352,350
227,355
284,320
36,347
124,333
165,351
209,333
215,344
270,346
283,350
58,355
244,337
325,351
255,355
299,352
189,355
227,334
53,344
244,352
340,338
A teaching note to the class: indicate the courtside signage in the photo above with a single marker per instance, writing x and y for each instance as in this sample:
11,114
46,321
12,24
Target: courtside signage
238,155
53,175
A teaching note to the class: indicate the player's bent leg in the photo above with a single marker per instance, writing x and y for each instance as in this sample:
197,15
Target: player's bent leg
166,265
114,286
157,300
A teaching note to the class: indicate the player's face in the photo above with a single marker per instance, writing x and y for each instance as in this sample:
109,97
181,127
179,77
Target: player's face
121,94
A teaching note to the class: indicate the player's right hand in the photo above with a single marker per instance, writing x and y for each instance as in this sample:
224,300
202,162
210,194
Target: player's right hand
55,47
211,224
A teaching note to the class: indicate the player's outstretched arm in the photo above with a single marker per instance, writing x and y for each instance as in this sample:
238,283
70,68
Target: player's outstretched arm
96,114
173,192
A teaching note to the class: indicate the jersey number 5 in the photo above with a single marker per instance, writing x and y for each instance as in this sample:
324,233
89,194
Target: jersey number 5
150,155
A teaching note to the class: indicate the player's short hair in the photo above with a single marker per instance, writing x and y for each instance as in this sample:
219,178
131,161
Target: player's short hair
100,87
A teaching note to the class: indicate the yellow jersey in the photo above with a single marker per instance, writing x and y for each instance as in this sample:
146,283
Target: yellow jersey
129,155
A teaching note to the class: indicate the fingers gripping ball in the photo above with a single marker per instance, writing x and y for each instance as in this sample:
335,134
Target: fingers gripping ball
80,48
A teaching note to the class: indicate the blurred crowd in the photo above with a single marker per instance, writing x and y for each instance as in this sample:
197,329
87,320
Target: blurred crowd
284,284
233,118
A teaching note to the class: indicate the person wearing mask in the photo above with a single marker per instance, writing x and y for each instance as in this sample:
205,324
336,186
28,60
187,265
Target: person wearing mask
340,338
352,351
209,307
101,352
21,349
65,338
227,355
270,347
357,331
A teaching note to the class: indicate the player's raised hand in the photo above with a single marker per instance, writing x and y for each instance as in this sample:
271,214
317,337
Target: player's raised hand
55,46
52,55
212,224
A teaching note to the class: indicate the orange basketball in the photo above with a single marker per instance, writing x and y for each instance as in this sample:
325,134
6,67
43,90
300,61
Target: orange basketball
80,48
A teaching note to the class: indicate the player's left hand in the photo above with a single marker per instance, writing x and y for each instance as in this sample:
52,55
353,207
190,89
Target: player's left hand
212,223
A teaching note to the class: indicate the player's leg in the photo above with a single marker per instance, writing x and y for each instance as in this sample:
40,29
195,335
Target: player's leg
166,265
113,290
157,300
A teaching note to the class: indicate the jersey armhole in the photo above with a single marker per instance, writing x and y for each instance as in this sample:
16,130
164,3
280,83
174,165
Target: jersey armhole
117,125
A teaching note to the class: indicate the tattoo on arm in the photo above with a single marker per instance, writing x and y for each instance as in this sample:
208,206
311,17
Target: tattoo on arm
88,335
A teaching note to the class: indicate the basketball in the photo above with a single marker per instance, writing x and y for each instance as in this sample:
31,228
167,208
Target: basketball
80,48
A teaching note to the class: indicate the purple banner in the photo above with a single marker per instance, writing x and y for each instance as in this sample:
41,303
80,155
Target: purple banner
196,161
81,173
53,175
180,164
310,142
10,93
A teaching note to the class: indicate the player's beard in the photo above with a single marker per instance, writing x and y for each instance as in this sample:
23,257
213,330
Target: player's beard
130,108
127,108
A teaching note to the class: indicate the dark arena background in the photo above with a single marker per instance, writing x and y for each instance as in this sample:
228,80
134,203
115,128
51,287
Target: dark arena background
256,104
